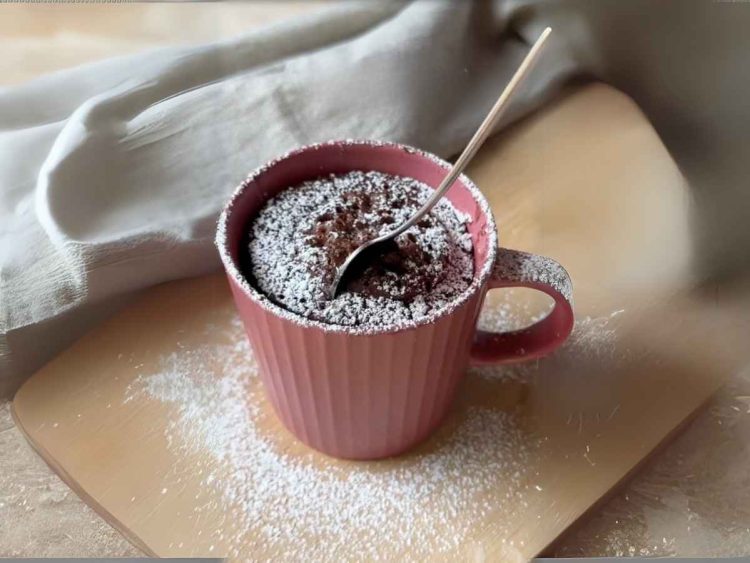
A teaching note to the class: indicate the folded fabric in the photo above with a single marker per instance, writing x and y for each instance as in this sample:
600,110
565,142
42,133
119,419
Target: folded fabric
112,174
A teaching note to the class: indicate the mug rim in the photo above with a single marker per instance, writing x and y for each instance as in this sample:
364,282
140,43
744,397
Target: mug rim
233,270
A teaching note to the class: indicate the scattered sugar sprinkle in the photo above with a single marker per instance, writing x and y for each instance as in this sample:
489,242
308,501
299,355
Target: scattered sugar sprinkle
306,505
593,338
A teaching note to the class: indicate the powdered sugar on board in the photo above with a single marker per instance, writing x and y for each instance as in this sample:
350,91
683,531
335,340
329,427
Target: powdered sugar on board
309,505
289,503
592,338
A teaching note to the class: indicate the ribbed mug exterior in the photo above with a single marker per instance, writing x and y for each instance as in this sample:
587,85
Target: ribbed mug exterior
360,396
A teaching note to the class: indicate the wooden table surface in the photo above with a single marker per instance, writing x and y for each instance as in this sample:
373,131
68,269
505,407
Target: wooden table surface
680,504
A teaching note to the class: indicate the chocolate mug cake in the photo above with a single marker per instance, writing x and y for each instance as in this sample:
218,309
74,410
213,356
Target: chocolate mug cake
300,236
374,371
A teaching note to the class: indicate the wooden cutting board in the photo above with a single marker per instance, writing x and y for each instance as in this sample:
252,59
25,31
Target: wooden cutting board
157,419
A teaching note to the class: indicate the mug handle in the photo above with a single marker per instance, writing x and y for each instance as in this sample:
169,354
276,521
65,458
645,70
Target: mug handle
514,268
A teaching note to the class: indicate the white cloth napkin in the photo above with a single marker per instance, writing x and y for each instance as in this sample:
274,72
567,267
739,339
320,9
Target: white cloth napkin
112,174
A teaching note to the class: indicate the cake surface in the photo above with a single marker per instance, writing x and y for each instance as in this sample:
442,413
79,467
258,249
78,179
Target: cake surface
304,233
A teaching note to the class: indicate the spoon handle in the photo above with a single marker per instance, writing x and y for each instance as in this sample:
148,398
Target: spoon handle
480,135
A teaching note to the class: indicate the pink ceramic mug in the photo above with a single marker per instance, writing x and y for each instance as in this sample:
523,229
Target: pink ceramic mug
364,394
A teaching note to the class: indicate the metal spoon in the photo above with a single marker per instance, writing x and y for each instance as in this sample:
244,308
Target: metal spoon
378,246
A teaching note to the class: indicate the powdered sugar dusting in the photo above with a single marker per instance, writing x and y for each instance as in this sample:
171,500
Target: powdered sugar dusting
523,266
592,338
295,505
302,234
